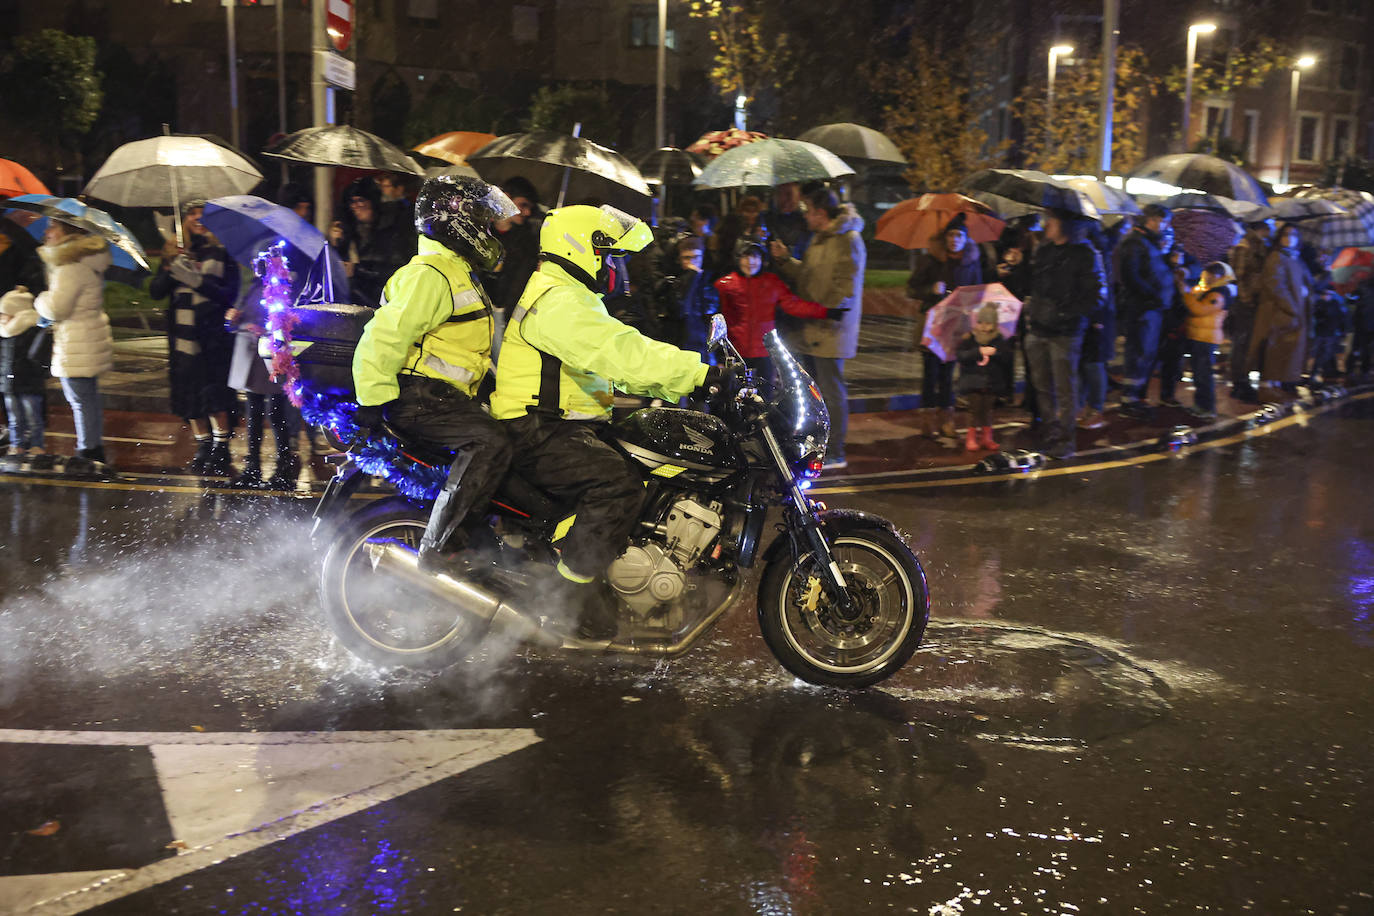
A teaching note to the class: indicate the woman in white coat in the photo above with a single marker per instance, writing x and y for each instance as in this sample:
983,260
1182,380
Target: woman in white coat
83,347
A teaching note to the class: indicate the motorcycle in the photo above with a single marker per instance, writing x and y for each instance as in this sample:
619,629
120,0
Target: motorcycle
842,600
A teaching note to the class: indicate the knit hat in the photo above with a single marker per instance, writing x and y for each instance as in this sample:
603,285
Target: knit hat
748,245
957,222
986,315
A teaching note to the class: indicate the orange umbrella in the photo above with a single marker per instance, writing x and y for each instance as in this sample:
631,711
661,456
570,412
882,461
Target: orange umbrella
912,223
16,180
454,146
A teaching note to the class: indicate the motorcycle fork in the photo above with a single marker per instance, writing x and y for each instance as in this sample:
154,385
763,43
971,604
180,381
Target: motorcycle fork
803,516
337,492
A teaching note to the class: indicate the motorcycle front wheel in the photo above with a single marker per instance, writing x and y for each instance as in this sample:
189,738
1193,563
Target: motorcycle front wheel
819,643
377,617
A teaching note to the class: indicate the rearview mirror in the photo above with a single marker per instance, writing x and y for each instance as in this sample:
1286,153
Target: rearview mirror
718,329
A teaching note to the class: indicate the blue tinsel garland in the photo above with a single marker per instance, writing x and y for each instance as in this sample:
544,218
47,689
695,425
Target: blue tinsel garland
378,455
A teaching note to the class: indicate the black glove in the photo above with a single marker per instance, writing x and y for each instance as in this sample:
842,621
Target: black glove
715,377
367,418
835,314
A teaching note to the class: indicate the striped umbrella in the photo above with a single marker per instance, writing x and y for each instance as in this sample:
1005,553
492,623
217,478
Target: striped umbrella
1352,229
1200,172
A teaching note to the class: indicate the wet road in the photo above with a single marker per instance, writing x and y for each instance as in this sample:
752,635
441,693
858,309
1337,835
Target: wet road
1144,691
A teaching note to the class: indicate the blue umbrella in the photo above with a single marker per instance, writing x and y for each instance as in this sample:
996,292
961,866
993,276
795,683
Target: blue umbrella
129,262
245,224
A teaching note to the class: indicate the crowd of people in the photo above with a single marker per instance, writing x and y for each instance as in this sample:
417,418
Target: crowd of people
1086,286
795,262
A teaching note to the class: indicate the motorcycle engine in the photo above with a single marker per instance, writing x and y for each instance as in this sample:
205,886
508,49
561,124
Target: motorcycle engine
650,573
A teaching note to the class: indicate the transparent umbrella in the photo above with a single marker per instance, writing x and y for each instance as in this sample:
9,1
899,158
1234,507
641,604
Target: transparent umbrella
772,162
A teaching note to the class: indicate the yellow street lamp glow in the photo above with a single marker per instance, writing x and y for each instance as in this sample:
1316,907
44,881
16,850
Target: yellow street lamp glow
1306,61
1203,28
1061,50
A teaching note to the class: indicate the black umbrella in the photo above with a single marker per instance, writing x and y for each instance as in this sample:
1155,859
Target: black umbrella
1018,192
564,169
855,143
343,144
1200,172
1243,210
669,165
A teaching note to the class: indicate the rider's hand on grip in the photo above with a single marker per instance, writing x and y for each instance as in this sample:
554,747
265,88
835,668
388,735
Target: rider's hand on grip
367,418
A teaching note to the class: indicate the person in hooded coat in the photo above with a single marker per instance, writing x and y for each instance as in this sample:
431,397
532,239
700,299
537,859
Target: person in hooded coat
25,357
831,274
951,261
1278,343
83,345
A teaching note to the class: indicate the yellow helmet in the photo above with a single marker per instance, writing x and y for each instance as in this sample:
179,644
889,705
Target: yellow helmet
582,238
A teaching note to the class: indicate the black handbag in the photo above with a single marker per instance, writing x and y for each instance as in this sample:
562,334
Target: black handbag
40,348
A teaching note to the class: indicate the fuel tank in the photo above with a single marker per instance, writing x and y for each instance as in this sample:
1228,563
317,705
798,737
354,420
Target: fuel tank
663,438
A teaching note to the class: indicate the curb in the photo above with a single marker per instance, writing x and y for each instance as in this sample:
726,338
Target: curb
1180,441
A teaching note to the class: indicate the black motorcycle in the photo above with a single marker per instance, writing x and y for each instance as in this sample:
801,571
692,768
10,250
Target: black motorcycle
842,600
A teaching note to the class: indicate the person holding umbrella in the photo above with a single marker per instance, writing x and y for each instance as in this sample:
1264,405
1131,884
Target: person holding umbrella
1145,289
200,284
1069,285
1278,345
1247,257
950,262
83,345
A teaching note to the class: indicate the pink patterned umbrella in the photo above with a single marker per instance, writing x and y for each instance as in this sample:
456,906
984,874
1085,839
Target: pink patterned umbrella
952,316
713,143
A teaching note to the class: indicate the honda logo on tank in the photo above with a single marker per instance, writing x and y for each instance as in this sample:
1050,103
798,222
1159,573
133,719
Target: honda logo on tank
339,22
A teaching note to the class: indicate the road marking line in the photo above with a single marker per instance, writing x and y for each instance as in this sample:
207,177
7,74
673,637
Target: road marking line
288,783
169,441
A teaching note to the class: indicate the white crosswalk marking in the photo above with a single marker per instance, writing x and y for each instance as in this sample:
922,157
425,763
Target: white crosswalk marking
230,793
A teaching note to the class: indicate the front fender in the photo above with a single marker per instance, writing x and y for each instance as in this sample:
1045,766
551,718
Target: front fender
834,520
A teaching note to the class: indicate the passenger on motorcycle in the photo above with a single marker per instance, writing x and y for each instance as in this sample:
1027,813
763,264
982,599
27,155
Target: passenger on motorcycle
421,357
561,358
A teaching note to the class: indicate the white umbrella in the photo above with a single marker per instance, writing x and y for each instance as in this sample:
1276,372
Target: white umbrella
164,171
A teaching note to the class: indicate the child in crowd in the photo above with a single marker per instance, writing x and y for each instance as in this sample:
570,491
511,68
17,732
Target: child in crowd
1330,324
25,355
985,370
1207,304
749,300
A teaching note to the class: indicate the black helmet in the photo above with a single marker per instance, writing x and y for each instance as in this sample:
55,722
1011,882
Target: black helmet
457,212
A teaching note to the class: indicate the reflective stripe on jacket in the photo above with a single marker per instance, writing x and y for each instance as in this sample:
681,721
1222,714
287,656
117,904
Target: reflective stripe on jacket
434,321
563,352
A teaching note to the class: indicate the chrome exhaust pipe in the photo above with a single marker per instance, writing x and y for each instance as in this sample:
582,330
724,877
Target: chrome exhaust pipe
470,599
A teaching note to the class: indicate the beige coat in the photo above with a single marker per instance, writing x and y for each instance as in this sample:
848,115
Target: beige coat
82,344
1279,343
831,273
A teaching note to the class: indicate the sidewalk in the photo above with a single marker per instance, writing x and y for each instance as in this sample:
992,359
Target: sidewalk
883,440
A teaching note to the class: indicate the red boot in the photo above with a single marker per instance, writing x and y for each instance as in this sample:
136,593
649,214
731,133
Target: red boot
987,441
971,440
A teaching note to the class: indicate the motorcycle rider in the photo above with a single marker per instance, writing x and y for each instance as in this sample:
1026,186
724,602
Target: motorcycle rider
423,354
561,356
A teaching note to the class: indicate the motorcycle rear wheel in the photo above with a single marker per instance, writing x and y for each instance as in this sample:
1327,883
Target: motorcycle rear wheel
812,639
375,616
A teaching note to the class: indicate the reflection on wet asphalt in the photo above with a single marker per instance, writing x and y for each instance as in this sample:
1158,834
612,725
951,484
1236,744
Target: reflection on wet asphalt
1142,691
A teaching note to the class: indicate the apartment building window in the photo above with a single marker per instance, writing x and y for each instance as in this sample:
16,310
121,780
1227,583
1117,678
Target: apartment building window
423,9
1348,75
1307,143
1342,137
524,24
1218,120
1251,138
644,29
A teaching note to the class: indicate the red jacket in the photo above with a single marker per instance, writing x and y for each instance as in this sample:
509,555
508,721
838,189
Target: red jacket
749,305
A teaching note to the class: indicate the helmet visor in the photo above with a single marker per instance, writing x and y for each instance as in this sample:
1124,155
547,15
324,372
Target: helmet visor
631,234
497,203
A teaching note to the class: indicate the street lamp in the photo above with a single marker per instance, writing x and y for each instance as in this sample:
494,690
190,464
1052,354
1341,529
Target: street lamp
662,67
1299,65
1055,53
1201,28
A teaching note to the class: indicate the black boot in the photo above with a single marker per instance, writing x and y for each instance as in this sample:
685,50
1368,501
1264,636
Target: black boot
250,479
96,456
219,464
596,610
287,471
197,463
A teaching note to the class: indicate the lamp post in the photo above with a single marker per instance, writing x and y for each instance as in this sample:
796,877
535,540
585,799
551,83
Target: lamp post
1201,28
1299,65
1055,53
662,74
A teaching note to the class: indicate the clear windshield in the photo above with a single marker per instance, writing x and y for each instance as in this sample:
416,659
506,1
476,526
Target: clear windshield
798,410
